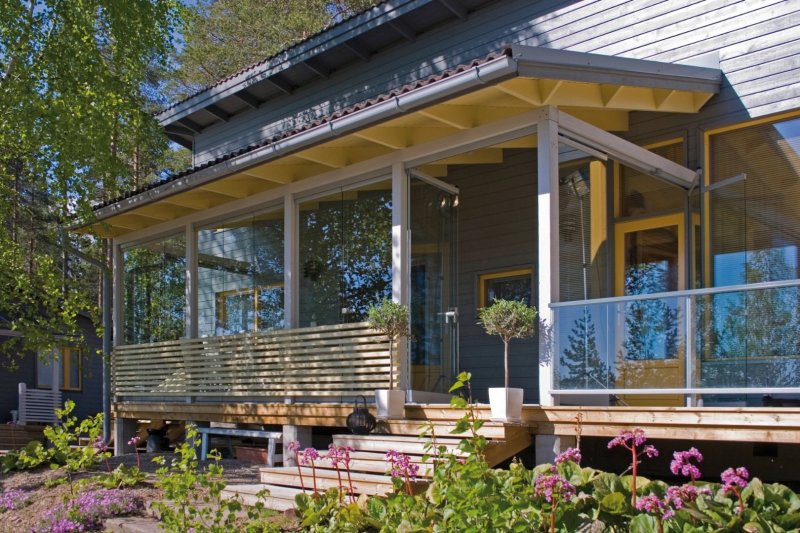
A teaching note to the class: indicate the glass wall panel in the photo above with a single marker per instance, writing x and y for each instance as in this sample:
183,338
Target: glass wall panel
240,275
583,238
155,291
345,254
640,194
751,338
433,286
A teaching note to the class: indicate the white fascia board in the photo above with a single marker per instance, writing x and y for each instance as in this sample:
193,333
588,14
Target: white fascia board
626,152
377,16
548,63
489,72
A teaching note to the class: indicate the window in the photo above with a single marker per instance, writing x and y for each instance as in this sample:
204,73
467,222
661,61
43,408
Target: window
69,371
258,309
505,285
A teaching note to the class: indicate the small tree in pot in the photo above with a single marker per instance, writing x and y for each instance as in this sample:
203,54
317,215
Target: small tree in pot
510,320
392,320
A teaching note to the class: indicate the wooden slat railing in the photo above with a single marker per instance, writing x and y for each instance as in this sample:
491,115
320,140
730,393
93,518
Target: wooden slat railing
320,362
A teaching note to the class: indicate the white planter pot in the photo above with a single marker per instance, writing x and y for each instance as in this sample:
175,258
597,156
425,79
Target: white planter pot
506,407
390,403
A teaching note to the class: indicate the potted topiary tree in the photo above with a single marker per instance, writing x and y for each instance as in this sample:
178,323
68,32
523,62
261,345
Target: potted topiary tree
392,320
510,320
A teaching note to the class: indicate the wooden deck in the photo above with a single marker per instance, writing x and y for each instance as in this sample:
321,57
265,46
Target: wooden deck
13,437
756,424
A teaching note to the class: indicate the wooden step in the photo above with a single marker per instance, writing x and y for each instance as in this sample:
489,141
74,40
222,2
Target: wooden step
279,499
363,483
374,462
383,443
441,428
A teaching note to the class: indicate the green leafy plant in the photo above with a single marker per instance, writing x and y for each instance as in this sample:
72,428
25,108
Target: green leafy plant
122,476
508,319
191,491
391,320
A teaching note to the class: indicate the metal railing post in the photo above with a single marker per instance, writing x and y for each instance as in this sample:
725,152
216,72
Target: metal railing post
688,355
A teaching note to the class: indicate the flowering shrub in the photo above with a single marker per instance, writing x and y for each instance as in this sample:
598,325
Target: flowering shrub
402,468
13,499
681,463
88,509
634,441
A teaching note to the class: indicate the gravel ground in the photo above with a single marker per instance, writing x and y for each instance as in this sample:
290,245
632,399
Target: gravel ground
43,498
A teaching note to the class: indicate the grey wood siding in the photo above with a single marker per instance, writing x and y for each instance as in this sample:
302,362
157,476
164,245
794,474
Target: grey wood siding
757,40
88,401
497,231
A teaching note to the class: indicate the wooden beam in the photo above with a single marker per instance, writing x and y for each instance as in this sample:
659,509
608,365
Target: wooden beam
608,93
395,138
404,30
476,157
268,173
548,89
455,8
218,112
279,83
354,46
188,201
330,157
317,67
248,99
227,188
177,129
523,89
460,117
190,124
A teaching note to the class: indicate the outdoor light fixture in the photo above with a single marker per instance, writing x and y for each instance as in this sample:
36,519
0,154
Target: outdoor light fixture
361,421
578,182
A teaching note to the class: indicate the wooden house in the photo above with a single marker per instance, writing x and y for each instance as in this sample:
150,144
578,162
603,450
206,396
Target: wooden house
631,168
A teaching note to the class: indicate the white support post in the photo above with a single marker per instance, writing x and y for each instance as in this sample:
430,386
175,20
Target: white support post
401,255
548,253
291,259
192,272
22,415
118,302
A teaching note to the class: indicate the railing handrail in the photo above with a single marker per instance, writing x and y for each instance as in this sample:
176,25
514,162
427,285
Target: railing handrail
680,294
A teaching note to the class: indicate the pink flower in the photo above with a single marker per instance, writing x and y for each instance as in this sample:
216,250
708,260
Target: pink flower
629,439
293,446
100,445
401,465
571,454
654,505
733,479
553,488
308,456
134,441
680,496
681,463
339,455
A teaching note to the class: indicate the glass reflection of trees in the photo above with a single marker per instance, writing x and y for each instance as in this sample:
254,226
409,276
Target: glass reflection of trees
581,366
752,338
155,284
651,326
345,255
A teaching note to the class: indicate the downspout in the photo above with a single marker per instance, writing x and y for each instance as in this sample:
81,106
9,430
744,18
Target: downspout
106,320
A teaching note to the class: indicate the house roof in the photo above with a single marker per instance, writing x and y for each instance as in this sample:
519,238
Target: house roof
351,40
521,77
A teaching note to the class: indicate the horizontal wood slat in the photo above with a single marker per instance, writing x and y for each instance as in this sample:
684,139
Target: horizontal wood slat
340,360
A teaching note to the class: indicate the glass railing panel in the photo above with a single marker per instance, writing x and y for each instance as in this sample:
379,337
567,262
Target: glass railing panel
748,338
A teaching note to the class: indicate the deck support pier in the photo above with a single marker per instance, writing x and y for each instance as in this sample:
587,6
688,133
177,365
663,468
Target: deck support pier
293,433
549,446
124,429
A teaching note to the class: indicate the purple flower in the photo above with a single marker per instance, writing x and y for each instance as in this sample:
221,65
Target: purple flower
339,455
88,510
571,454
553,488
134,441
680,496
293,446
629,439
13,499
654,505
401,465
681,463
100,445
650,451
308,456
734,479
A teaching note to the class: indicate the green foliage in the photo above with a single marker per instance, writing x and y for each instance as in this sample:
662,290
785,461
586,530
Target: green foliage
121,477
227,35
510,320
193,494
391,319
466,495
73,129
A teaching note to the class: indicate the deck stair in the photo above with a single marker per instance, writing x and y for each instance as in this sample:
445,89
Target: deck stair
369,468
